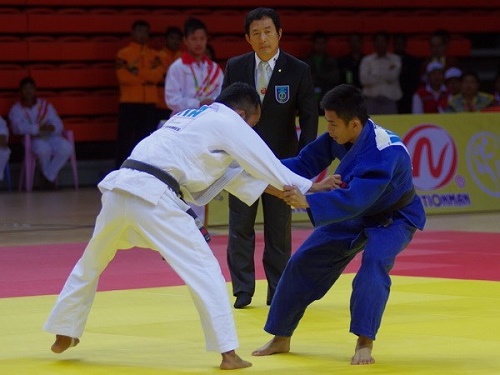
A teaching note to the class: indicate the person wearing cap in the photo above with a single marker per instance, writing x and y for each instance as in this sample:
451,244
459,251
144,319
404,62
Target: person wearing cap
452,81
470,99
433,97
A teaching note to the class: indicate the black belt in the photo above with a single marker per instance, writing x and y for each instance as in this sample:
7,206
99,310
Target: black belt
171,182
385,218
160,174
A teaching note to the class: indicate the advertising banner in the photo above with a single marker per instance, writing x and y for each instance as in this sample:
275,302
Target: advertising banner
455,159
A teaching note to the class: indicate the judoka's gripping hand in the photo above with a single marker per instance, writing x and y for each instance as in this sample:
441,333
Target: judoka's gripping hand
331,182
293,197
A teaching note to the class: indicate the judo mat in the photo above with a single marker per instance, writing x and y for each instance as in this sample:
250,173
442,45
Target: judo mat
443,315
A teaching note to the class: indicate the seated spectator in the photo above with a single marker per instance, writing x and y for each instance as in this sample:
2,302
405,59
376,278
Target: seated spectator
4,148
433,97
470,98
452,81
324,68
37,117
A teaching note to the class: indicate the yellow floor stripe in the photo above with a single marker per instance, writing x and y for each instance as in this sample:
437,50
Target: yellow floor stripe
431,326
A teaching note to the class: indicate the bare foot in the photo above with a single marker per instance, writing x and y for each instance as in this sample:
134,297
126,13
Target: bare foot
63,343
279,344
363,352
231,361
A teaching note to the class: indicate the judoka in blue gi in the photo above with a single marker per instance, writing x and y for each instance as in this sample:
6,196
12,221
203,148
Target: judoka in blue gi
376,210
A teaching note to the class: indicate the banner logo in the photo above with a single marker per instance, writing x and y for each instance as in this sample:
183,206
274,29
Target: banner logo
483,162
434,156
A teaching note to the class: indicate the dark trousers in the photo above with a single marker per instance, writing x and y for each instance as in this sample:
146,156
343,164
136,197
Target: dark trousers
241,245
135,122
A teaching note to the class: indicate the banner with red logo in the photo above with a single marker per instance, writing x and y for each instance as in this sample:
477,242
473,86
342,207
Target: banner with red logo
455,158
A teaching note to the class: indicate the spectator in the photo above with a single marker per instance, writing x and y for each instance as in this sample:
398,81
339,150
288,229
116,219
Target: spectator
433,97
324,68
139,70
168,54
470,98
37,117
288,93
193,80
349,64
452,81
408,80
438,49
379,75
4,148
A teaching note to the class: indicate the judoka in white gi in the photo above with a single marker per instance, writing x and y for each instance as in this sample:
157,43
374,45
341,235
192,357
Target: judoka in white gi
199,148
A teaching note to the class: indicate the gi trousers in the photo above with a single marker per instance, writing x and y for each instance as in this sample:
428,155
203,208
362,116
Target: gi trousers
126,221
321,259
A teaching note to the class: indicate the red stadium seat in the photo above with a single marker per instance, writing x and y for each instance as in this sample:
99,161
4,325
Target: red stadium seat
13,49
12,21
11,75
99,129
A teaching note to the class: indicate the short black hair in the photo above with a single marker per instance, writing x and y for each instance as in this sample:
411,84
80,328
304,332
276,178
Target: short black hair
173,30
383,34
259,14
140,23
240,95
192,24
26,81
347,102
470,73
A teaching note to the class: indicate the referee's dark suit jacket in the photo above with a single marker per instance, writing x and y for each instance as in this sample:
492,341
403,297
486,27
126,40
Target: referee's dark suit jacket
280,107
290,93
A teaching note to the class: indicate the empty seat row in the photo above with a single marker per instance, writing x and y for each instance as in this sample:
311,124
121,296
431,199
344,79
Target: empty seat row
81,49
225,21
62,76
226,47
68,48
71,102
93,129
256,3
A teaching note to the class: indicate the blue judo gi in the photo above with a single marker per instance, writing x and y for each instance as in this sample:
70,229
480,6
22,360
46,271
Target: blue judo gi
378,173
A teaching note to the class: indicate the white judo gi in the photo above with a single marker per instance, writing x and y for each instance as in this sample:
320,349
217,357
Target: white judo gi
52,150
201,149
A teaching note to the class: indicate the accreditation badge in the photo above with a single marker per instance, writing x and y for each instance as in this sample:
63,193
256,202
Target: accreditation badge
282,93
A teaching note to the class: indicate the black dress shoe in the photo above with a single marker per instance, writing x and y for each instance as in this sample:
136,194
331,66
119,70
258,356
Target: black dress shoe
242,300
